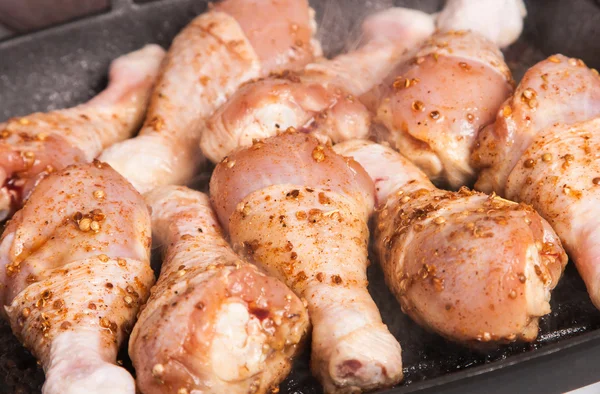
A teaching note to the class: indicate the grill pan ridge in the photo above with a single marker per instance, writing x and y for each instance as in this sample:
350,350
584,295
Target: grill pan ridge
66,64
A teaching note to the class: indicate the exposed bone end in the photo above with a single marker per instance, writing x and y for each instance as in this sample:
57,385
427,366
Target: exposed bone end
499,21
77,368
236,352
354,367
352,349
74,320
255,338
234,330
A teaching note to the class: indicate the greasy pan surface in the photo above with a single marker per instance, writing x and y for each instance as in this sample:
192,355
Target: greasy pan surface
67,64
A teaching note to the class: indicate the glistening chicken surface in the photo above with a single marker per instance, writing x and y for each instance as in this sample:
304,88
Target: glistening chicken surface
214,323
76,264
471,267
33,146
304,219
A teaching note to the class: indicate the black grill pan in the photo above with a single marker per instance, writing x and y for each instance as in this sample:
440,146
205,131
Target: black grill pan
66,64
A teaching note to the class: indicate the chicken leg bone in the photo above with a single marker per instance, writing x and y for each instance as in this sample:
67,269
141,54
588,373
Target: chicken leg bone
74,270
432,107
324,96
541,150
234,42
303,218
213,323
477,269
33,146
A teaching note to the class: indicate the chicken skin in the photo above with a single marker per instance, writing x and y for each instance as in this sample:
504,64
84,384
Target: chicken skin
218,51
35,145
541,150
75,267
472,267
214,323
303,218
432,107
324,96
558,90
329,96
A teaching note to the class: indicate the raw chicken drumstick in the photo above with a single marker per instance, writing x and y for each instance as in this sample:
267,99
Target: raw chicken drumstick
558,90
300,211
214,323
323,96
33,146
542,151
469,266
75,267
232,43
432,107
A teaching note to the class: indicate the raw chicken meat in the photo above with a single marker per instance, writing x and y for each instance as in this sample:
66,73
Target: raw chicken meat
500,21
541,151
324,95
75,267
234,42
214,323
558,90
33,146
300,212
432,107
472,267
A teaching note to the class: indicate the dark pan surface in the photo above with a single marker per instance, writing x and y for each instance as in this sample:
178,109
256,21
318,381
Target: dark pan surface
66,65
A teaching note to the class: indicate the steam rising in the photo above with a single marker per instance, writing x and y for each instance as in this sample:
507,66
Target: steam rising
339,21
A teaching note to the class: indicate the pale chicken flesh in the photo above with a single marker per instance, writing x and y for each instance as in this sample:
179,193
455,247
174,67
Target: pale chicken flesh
214,323
303,218
500,21
472,267
234,42
324,96
541,150
75,268
432,107
558,90
35,145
